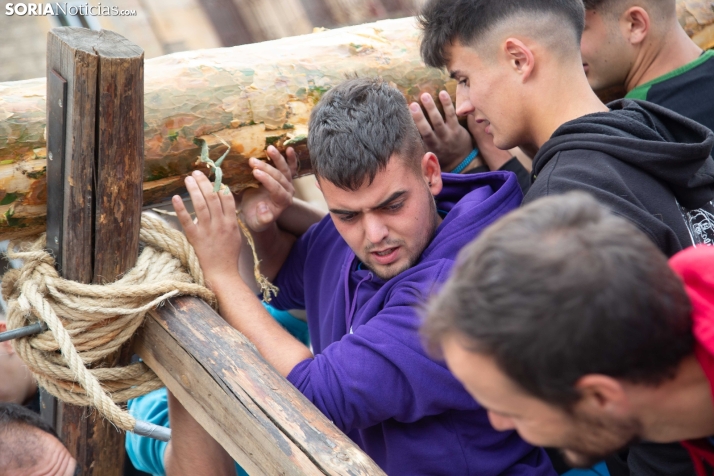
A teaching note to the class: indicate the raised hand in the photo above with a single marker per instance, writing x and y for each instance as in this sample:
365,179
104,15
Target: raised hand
215,234
445,137
262,206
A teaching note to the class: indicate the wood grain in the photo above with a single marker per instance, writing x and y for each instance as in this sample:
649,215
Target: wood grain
102,197
263,422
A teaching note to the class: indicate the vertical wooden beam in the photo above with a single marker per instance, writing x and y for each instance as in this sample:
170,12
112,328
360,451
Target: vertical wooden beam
101,198
120,156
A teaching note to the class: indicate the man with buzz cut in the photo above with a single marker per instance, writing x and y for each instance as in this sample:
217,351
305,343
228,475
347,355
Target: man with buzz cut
568,325
362,273
519,71
639,45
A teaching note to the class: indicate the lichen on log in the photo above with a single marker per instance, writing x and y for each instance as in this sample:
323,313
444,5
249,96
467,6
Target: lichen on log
250,96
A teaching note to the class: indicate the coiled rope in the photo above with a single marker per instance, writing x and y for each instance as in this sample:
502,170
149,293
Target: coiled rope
88,323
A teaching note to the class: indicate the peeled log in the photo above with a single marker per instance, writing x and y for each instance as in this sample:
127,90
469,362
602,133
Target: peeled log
697,19
248,95
251,96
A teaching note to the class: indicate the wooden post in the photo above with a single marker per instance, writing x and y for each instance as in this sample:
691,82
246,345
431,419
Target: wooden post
95,182
260,419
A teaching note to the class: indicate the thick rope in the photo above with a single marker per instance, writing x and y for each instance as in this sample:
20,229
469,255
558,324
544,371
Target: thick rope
88,323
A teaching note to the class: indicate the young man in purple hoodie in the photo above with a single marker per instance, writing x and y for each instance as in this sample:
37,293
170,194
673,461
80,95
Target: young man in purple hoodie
395,227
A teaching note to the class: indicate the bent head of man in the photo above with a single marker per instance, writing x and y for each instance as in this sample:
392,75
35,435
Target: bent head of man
378,181
29,446
560,320
616,34
502,53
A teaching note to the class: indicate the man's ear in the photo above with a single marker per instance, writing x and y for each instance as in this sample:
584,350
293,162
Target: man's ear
317,184
635,23
520,57
431,170
601,393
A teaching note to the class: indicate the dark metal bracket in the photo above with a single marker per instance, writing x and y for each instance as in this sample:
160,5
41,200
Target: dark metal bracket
56,132
56,141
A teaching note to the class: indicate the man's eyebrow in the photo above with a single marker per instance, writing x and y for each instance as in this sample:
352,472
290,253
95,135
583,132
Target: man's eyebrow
391,198
337,211
384,203
454,74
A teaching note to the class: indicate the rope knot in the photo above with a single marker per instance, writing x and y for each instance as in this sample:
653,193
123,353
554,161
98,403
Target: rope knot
88,322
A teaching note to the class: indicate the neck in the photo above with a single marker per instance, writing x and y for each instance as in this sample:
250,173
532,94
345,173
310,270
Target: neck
679,409
567,97
662,54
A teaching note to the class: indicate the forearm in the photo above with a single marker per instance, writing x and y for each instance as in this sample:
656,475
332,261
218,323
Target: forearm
299,217
192,451
239,306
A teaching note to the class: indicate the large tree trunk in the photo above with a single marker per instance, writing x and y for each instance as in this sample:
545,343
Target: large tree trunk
250,96
697,19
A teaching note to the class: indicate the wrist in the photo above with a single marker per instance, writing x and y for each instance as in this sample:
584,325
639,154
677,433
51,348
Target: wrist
220,282
465,162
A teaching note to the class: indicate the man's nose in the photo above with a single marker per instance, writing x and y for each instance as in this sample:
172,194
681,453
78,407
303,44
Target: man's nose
375,229
463,105
500,423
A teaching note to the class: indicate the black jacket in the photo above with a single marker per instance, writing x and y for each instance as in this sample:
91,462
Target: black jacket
646,163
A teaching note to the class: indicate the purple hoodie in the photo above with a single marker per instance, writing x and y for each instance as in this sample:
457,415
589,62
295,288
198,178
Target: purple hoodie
370,374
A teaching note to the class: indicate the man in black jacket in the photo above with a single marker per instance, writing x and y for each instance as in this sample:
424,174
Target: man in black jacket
519,72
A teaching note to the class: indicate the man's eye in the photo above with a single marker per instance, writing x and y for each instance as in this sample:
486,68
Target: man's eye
347,218
395,207
463,82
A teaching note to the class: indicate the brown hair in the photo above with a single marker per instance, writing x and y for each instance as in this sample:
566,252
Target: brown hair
562,288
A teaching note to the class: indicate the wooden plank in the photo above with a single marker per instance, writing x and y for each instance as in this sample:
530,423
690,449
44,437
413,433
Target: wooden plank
263,422
102,197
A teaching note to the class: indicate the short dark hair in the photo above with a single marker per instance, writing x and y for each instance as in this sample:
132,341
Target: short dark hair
18,446
562,288
355,129
445,21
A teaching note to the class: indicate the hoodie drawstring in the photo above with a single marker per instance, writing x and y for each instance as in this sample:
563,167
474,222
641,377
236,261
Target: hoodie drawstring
350,309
